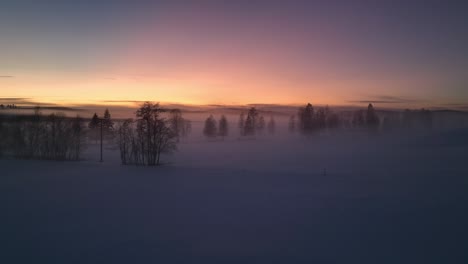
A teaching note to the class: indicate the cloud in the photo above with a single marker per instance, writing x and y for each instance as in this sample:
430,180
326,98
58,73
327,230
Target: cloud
121,101
6,76
384,99
15,100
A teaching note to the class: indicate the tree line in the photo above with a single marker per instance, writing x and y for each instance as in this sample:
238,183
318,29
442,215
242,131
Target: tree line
55,136
156,130
309,120
251,125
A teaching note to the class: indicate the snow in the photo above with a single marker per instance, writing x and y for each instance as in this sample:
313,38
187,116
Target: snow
385,199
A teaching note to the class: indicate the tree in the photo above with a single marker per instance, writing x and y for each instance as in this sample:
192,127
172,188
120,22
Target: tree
306,119
251,122
223,127
107,123
126,141
372,119
271,126
94,126
94,123
178,123
241,123
358,118
153,133
76,138
210,129
321,118
260,126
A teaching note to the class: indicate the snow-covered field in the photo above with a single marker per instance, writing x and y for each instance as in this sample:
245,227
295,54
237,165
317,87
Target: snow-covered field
347,198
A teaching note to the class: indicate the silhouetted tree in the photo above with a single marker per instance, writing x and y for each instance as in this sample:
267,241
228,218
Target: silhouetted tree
321,118
271,126
2,106
33,131
178,124
107,123
251,122
94,123
260,124
241,123
223,127
127,142
94,127
372,120
153,134
358,118
210,129
76,138
53,137
306,119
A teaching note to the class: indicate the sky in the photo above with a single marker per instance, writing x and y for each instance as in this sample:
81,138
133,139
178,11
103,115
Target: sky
393,53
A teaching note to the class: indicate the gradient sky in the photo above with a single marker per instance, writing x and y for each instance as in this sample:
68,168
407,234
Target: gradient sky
396,53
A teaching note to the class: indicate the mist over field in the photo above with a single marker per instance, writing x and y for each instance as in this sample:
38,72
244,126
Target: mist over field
345,195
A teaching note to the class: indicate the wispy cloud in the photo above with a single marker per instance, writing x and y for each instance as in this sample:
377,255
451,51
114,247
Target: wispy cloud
6,76
15,100
122,101
385,99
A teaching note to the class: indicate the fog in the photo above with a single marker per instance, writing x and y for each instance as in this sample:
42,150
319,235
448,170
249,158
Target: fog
348,195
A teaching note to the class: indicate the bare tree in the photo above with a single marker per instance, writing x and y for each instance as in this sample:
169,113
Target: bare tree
144,140
55,137
180,125
126,138
155,135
